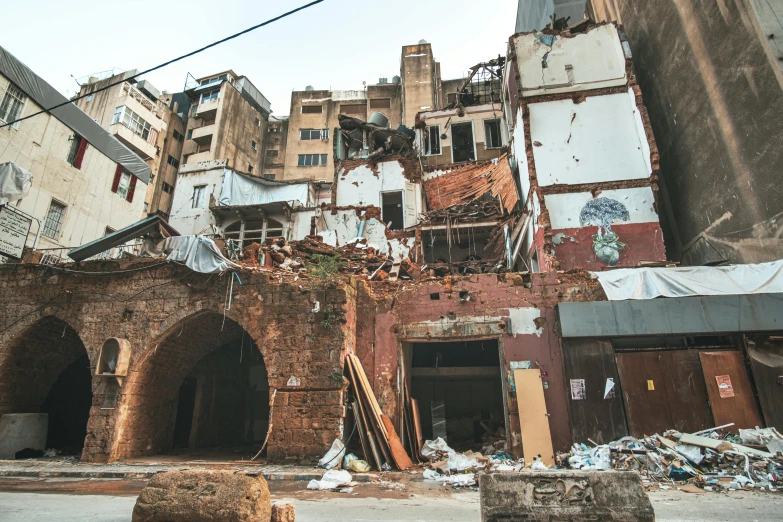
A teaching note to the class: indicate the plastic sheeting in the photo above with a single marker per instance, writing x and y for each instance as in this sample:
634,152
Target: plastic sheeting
15,182
244,190
72,116
649,283
199,253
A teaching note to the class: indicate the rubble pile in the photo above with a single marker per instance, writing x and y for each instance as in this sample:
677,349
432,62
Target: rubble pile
711,462
449,467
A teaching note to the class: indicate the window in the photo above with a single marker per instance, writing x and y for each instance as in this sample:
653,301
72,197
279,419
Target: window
270,177
272,153
210,96
355,110
133,121
311,160
312,109
462,146
492,134
124,186
314,134
12,104
432,141
254,145
54,220
274,129
258,122
190,134
168,189
179,137
249,168
199,193
77,151
380,103
90,97
174,162
124,183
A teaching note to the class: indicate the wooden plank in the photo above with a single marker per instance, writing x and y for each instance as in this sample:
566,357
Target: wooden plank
417,426
596,418
376,408
644,391
766,361
533,417
398,452
688,402
372,416
371,438
741,408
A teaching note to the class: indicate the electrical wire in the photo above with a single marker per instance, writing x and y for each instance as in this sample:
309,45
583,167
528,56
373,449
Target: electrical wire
272,20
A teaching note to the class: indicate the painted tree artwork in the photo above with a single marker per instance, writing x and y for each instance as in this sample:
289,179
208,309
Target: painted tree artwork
603,213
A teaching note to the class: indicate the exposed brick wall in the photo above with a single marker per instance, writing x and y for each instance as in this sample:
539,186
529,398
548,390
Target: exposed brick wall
172,317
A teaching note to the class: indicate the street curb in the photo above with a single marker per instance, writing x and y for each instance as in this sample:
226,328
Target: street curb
144,475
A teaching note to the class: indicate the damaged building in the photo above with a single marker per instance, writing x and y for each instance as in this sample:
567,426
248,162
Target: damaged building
519,297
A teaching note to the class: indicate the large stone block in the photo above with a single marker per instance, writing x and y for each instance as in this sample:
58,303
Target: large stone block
204,496
20,431
564,496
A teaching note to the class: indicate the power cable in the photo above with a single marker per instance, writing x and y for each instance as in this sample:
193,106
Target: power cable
272,20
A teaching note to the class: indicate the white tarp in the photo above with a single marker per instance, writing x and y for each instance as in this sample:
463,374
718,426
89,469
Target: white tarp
244,190
15,182
199,253
649,283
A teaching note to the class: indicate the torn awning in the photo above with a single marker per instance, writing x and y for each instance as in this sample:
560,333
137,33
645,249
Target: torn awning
649,283
72,116
145,226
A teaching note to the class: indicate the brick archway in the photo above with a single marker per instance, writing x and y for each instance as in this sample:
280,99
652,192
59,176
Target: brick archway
199,384
45,368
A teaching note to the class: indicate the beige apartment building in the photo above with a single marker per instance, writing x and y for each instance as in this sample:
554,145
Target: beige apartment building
227,124
85,181
275,148
145,121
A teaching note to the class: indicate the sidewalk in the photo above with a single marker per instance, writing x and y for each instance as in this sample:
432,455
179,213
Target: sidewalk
63,468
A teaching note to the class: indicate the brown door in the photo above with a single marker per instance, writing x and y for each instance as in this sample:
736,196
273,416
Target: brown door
596,418
729,390
644,391
687,394
766,361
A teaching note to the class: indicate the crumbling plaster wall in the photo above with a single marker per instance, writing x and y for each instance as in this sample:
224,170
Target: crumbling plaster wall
476,115
387,314
155,303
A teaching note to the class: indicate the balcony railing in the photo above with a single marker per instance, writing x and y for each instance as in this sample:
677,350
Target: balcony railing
59,256
133,92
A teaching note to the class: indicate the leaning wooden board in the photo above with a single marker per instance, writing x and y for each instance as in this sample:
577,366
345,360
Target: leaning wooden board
533,417
738,405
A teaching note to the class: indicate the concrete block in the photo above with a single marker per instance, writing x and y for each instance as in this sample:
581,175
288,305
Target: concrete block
564,496
22,430
204,496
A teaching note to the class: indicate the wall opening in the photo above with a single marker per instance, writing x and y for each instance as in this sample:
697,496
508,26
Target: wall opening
459,383
391,206
203,393
46,369
462,147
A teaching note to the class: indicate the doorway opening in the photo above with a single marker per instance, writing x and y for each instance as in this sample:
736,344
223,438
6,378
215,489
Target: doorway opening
459,390
462,146
391,208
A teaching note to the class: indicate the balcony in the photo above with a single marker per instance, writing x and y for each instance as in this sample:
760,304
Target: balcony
203,135
133,141
207,110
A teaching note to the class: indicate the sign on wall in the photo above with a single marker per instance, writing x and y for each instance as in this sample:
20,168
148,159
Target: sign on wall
14,229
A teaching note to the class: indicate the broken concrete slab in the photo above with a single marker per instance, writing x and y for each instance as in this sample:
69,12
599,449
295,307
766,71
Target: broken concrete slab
564,496
204,496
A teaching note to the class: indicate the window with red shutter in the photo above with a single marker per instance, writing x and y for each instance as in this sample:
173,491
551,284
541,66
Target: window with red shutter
77,162
131,189
117,175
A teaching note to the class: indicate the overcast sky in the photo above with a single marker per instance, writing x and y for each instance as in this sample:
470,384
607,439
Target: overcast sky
335,44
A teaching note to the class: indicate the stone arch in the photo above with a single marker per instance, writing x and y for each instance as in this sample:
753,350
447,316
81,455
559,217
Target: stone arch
45,368
201,382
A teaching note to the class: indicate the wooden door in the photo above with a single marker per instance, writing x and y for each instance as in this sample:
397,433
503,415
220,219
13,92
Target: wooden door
687,394
533,417
644,392
766,361
596,418
737,404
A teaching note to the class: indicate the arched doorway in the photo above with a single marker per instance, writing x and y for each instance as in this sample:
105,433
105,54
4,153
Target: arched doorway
203,390
46,369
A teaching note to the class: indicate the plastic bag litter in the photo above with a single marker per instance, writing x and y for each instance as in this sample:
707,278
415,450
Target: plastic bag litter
460,462
347,460
463,480
432,447
332,458
692,453
359,466
759,436
592,458
332,479
431,474
538,465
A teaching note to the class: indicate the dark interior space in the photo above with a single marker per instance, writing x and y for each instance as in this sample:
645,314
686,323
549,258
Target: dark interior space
391,203
462,142
186,403
68,405
459,382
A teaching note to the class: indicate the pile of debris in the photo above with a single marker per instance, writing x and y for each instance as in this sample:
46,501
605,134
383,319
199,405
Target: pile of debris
705,461
451,468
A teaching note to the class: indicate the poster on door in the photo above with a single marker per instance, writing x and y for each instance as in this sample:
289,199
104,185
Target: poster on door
724,386
578,391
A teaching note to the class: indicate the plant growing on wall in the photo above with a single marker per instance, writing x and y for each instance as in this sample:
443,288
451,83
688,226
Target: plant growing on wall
603,212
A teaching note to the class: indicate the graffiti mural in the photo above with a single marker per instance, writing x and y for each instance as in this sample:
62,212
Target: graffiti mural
603,213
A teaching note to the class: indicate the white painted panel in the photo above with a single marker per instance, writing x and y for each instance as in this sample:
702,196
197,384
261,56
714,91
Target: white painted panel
593,141
523,321
564,209
186,219
519,152
592,60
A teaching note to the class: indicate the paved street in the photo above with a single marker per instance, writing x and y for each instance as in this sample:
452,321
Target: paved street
64,501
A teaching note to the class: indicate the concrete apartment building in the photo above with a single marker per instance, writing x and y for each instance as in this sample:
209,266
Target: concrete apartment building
145,121
713,86
227,124
84,179
275,148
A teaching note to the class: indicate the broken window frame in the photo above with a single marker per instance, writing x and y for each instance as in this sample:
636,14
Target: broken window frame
312,109
429,141
199,195
473,137
499,136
